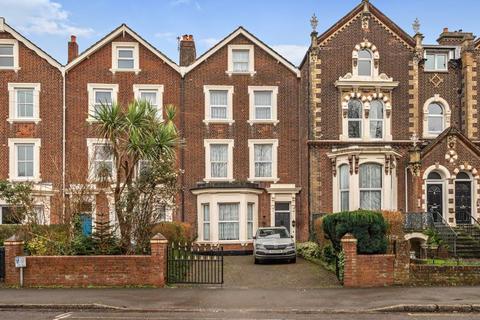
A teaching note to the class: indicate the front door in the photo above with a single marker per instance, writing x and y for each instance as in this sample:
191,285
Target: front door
282,215
463,202
435,201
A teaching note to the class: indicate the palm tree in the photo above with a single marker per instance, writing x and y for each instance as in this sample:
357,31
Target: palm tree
135,133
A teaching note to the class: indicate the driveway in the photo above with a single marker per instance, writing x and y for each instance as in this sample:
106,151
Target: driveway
241,272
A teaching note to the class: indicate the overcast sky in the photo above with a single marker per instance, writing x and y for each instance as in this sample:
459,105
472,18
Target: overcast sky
282,24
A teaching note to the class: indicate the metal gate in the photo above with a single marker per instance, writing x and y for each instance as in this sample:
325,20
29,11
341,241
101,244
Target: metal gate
2,264
194,264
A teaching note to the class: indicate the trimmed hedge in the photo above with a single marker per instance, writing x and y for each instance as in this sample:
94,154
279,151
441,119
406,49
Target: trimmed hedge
368,227
176,232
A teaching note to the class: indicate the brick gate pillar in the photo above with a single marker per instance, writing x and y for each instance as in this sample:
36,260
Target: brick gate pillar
159,247
349,246
13,248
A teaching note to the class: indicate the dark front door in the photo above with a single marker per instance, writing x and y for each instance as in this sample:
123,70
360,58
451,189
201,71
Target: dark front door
435,201
282,215
463,202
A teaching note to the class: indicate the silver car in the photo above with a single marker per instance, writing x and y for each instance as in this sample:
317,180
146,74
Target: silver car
274,243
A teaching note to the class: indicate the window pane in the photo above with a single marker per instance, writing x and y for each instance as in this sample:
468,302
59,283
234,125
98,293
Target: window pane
354,128
263,98
103,152
125,64
206,221
6,50
149,96
370,200
364,54
228,221
376,129
435,124
441,60
370,175
6,61
430,62
355,109
9,216
376,109
218,104
125,53
364,67
344,175
434,176
219,160
240,59
344,200
282,206
263,113
103,97
250,221
263,160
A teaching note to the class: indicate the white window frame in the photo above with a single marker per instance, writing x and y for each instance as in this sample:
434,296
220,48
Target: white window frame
13,165
206,91
12,99
13,42
208,174
158,88
340,190
251,151
436,54
205,222
251,58
274,112
366,189
91,143
91,88
446,115
116,46
370,120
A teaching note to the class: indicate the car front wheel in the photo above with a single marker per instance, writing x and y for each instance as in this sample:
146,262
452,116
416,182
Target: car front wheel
294,260
257,261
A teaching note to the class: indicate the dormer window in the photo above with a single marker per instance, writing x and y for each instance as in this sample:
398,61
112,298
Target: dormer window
436,61
125,57
365,63
240,59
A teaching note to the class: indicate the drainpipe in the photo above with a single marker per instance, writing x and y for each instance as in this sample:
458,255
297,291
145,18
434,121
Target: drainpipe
406,189
63,141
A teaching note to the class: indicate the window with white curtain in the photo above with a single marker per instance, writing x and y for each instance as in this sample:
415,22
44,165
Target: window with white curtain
263,157
435,118
355,116
219,104
376,119
206,221
344,187
228,221
241,60
365,63
250,220
219,160
263,105
370,184
25,160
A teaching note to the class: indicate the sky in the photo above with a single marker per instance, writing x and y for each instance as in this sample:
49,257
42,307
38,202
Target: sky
282,24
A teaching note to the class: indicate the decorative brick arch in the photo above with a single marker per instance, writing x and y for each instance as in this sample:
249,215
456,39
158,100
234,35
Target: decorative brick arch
447,112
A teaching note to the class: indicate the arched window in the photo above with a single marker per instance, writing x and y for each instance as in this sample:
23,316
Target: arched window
370,184
365,63
463,176
344,183
355,118
435,118
376,119
434,176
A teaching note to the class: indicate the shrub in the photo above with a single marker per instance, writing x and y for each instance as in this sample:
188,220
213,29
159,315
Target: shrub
309,250
329,254
6,231
395,223
368,227
174,231
340,266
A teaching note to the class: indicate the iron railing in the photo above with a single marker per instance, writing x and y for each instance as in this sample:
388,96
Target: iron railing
195,264
446,231
472,227
418,221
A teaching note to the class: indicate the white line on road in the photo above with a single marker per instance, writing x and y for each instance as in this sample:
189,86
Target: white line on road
63,316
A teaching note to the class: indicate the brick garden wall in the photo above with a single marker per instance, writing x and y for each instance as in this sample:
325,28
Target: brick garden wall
83,271
425,275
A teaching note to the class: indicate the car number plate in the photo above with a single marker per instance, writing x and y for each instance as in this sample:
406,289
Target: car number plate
275,251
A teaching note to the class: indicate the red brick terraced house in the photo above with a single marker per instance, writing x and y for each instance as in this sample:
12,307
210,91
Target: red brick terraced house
372,118
31,113
393,122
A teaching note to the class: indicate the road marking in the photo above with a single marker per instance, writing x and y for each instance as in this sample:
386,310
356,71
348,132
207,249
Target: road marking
63,316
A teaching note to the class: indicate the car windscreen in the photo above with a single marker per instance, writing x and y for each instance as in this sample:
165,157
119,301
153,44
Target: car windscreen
272,233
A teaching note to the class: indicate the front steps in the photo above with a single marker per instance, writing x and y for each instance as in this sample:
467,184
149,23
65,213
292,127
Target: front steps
467,242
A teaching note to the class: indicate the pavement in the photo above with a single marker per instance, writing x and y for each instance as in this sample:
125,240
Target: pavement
313,301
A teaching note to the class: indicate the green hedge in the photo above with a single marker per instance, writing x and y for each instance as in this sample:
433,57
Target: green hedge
368,227
6,231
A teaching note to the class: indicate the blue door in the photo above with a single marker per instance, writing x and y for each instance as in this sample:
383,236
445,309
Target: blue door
86,221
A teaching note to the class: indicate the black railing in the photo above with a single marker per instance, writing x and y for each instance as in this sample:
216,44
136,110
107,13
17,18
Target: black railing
2,263
418,221
468,224
195,264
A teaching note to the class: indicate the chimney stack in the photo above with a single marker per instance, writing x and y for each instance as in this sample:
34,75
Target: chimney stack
454,38
187,50
72,48
2,24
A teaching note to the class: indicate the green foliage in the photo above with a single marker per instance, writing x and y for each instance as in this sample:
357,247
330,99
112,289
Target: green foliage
103,239
309,250
6,231
329,254
368,227
175,232
434,239
341,266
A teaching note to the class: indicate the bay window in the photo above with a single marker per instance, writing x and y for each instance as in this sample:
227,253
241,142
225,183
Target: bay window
206,221
228,221
370,185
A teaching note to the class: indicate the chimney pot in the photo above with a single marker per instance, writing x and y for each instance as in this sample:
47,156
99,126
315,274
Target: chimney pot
73,38
445,29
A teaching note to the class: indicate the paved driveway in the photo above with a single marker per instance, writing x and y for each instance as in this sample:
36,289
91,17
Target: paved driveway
241,272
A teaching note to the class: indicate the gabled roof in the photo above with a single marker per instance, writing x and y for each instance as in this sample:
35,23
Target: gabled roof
6,28
447,132
112,35
377,14
249,36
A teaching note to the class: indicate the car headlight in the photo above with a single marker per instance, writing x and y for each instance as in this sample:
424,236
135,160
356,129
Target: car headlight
259,246
291,246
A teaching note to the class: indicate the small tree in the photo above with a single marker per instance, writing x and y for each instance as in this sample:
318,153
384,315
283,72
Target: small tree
135,133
